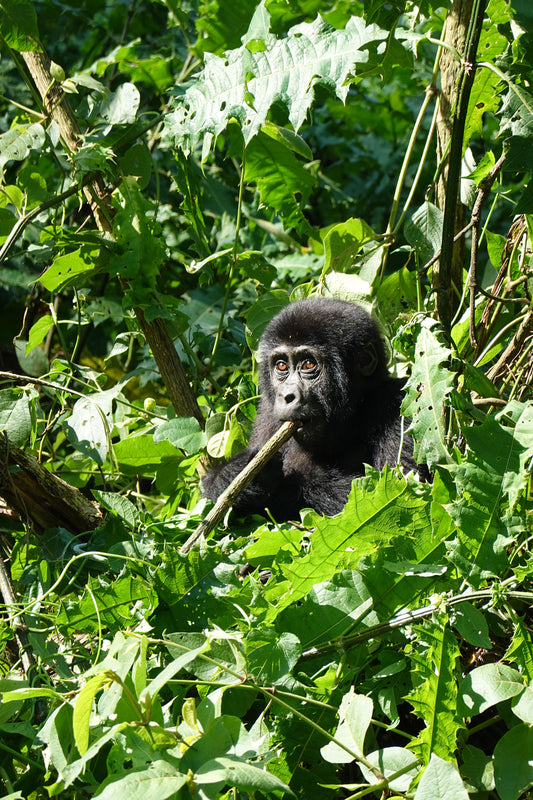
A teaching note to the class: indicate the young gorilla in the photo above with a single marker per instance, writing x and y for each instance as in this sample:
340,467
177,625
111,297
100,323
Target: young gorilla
322,363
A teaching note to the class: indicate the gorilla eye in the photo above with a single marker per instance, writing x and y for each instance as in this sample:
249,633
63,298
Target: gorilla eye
308,364
281,366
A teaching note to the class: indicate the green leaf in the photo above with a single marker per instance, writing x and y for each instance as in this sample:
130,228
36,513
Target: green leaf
487,685
15,414
424,230
183,432
283,181
272,656
440,781
175,666
75,768
343,242
83,708
513,762
220,24
484,96
434,699
18,25
397,294
388,762
237,772
426,391
523,705
67,269
370,520
355,715
520,651
331,609
260,314
155,781
120,107
121,506
351,288
17,143
28,694
88,427
38,331
492,476
472,625
117,603
244,85
141,455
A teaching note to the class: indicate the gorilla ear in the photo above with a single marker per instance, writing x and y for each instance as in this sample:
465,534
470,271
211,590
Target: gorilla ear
368,359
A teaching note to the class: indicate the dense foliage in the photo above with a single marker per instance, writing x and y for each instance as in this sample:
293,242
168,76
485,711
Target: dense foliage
176,173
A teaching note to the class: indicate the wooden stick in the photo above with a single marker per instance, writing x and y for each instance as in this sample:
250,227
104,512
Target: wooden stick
245,476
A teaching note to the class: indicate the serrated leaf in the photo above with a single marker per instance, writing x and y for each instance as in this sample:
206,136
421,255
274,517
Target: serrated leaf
369,521
490,480
244,85
426,391
435,698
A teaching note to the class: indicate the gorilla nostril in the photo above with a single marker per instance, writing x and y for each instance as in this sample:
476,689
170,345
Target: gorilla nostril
290,398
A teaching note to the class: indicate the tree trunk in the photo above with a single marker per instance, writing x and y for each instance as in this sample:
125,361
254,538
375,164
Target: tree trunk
41,498
456,83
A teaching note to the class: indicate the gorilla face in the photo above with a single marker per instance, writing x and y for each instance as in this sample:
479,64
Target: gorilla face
295,376
319,357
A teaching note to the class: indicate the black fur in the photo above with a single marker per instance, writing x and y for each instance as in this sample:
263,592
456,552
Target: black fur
322,362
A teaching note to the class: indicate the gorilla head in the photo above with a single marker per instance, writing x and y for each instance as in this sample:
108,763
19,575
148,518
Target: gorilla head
322,363
318,357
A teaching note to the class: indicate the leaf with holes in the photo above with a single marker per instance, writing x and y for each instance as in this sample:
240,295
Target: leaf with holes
244,85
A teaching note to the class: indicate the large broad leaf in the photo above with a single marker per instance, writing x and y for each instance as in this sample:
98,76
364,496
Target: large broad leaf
369,521
244,85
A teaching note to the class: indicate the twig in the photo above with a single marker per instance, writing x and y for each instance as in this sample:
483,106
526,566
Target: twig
229,495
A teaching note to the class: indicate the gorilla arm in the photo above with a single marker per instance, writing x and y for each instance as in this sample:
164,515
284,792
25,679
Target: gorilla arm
250,479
